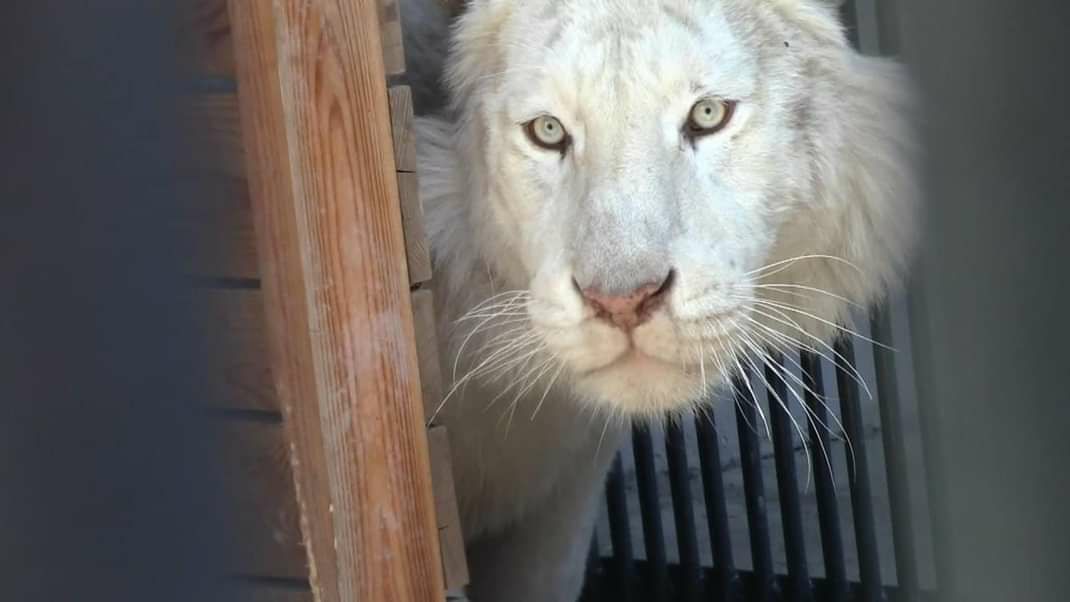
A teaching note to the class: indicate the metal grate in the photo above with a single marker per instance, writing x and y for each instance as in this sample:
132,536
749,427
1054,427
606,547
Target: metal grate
617,574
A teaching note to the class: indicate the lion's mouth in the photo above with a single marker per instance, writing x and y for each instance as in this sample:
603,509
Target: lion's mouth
632,358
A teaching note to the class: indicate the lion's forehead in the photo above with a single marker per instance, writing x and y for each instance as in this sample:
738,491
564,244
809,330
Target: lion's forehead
634,58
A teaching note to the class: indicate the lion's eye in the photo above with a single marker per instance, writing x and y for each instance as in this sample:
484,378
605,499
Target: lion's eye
547,132
708,116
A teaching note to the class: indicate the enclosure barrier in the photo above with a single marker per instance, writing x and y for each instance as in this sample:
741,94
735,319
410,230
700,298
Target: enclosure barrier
321,314
325,429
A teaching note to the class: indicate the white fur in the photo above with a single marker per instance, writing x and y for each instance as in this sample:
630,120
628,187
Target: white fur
815,162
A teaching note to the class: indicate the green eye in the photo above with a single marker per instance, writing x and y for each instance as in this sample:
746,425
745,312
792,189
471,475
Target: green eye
547,132
709,115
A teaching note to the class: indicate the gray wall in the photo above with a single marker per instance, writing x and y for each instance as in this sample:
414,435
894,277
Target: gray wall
991,292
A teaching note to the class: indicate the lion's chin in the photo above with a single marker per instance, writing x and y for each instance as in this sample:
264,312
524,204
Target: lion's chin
639,385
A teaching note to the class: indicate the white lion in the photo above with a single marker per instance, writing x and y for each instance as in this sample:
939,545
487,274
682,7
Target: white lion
627,200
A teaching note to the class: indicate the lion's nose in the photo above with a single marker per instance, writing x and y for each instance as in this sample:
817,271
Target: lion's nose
629,310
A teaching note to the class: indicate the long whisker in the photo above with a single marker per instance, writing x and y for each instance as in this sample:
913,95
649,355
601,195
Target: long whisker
515,293
549,386
784,264
841,328
764,358
518,366
788,288
754,397
787,321
736,393
492,362
460,350
779,370
493,311
544,368
820,398
611,415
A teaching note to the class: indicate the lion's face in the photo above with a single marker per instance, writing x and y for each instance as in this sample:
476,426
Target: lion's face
661,180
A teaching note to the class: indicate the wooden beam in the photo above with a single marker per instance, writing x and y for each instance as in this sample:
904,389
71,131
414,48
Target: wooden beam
220,218
423,308
208,47
316,124
236,331
273,592
257,464
205,41
417,253
214,127
262,512
402,127
454,563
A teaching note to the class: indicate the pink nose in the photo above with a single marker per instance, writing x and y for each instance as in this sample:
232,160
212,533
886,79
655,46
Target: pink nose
630,310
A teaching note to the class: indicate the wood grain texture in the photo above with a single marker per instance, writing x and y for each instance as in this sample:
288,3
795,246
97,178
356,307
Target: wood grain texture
417,253
204,38
235,327
207,43
454,564
272,592
265,509
213,128
316,123
390,31
402,127
423,310
220,217
263,504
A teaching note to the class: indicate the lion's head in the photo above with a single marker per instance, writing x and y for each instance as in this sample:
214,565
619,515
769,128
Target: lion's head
659,189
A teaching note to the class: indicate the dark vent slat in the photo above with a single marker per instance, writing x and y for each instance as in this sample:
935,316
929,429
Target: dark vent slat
751,465
858,473
620,533
709,455
780,420
683,512
653,539
828,507
895,459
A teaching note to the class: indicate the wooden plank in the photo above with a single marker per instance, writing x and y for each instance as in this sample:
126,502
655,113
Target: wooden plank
272,592
213,129
236,331
423,309
220,221
257,462
263,503
417,254
325,198
390,32
454,564
214,125
235,328
204,39
207,42
217,218
401,126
